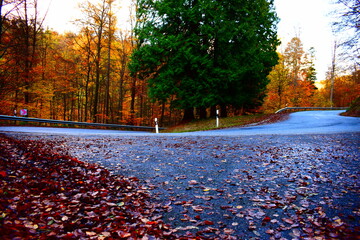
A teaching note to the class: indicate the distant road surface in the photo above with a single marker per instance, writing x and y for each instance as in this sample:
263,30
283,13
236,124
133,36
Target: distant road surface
307,122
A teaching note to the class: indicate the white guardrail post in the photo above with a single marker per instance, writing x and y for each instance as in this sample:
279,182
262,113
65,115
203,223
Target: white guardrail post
156,125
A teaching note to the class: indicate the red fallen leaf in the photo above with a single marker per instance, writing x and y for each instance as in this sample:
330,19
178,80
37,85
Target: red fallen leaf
206,222
97,203
267,219
197,217
151,222
69,235
3,173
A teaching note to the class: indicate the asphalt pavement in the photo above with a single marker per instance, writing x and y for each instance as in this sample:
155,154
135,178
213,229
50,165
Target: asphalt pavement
307,122
296,179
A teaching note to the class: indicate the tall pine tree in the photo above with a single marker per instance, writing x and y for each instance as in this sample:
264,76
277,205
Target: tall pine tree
203,53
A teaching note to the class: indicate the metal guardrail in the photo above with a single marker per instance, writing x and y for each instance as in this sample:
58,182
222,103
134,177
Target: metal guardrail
311,108
40,120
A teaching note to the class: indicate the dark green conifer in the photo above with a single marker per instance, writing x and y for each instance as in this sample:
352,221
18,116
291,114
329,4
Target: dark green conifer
205,52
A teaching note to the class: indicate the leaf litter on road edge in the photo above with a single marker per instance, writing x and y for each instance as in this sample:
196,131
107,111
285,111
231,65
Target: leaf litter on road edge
49,195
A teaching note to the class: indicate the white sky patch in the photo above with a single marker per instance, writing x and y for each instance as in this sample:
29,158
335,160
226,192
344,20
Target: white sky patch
62,14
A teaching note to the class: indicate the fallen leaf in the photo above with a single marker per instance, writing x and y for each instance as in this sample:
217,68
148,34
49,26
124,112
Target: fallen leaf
3,174
288,220
228,231
193,182
91,234
296,232
206,222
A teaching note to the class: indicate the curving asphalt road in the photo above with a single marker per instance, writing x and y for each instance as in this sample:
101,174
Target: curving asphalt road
295,179
307,122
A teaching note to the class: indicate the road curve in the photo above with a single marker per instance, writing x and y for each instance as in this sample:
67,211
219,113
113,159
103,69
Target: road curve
307,122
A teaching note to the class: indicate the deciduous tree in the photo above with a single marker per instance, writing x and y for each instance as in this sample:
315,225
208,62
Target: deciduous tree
292,80
346,88
19,45
278,87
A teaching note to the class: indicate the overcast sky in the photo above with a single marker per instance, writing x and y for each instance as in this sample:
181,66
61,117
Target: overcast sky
308,19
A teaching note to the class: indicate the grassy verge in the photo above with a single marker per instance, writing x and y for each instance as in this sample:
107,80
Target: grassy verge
354,110
209,124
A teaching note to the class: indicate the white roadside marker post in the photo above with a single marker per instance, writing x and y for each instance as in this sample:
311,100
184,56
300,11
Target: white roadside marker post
217,118
156,125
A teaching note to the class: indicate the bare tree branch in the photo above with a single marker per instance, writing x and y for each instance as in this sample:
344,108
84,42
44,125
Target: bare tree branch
348,22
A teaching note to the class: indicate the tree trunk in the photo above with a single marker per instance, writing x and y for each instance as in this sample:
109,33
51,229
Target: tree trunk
223,111
213,111
121,99
188,115
79,110
108,67
97,74
202,112
65,107
132,103
96,93
107,85
99,48
162,112
121,91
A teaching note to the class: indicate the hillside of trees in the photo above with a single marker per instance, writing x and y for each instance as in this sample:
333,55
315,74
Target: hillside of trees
181,60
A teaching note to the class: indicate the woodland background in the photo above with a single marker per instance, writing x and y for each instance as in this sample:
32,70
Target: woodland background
84,76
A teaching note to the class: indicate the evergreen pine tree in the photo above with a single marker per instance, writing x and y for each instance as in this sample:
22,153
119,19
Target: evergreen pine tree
205,52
